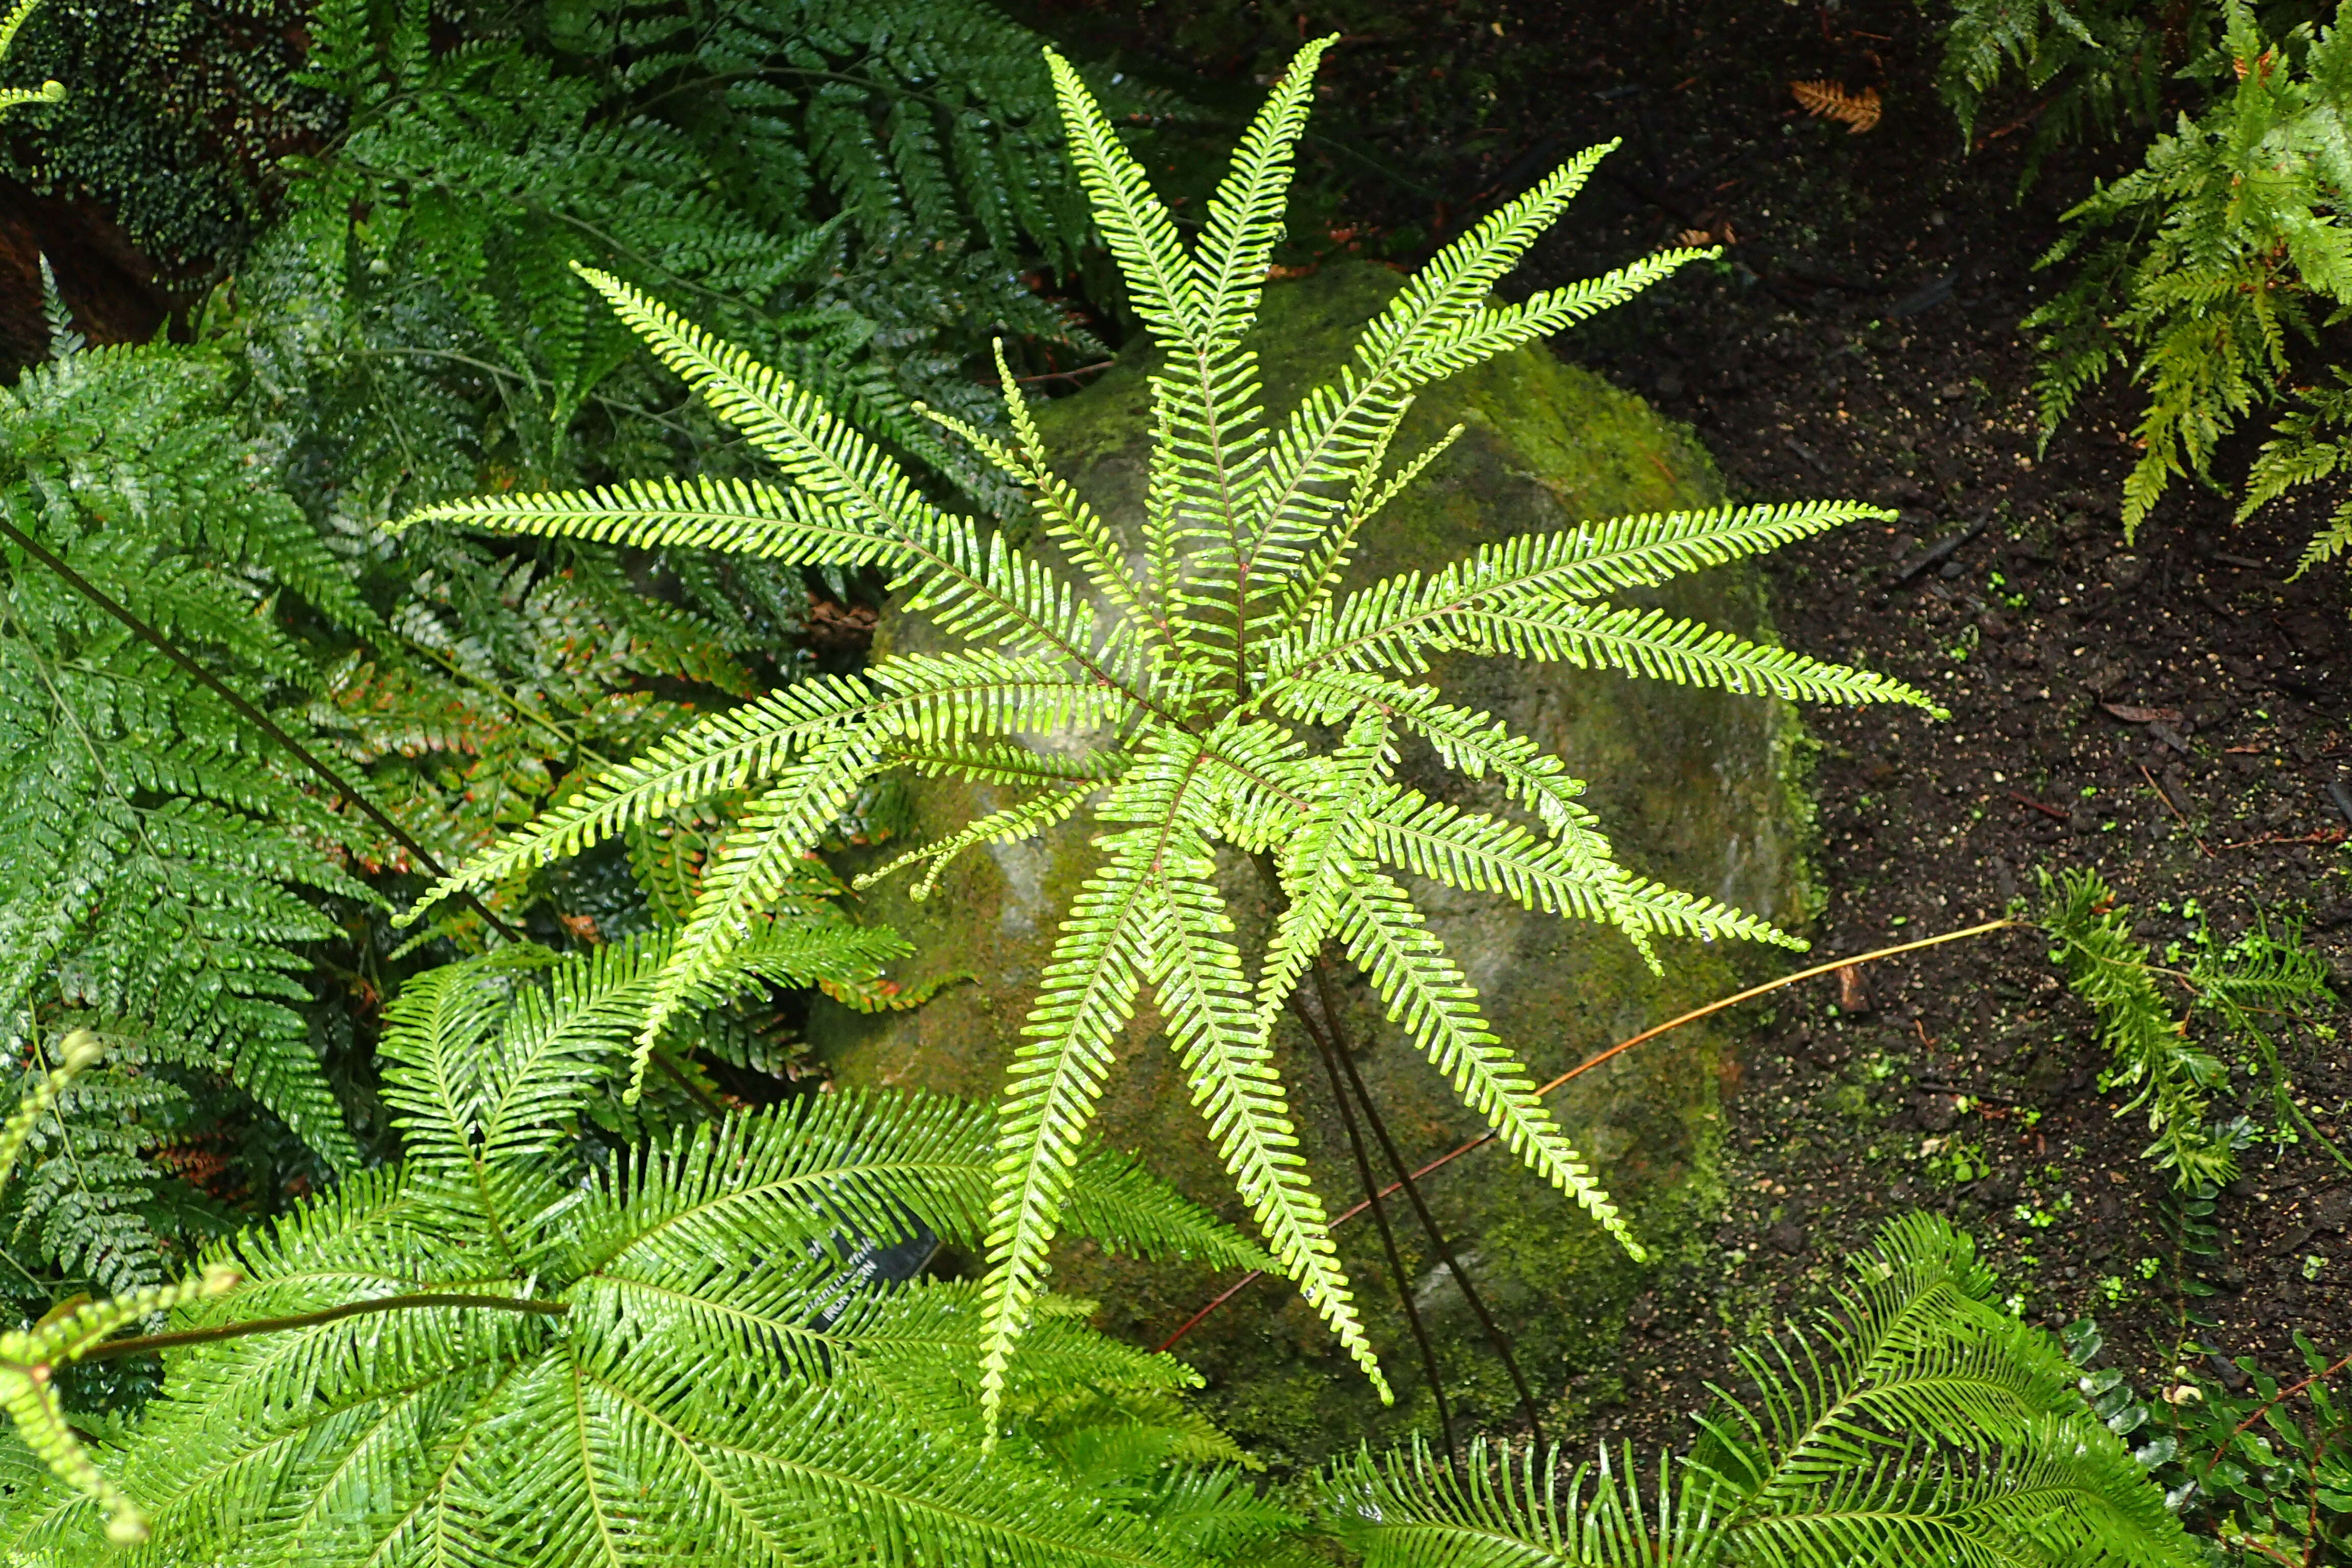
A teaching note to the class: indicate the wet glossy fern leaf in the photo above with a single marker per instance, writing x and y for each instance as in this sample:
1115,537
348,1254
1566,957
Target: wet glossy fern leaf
675,1354
1197,673
163,874
858,191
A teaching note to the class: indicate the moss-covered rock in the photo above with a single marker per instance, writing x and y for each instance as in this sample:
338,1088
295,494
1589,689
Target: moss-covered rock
1694,787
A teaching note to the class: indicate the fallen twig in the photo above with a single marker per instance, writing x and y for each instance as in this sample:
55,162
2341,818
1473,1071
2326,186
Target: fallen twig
1941,550
2275,1400
2341,796
2044,810
1055,374
2203,847
1807,453
2320,836
2016,126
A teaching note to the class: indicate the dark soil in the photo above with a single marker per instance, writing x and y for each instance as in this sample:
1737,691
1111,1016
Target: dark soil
111,286
1861,339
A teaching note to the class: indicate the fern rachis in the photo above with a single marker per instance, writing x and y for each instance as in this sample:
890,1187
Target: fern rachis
1209,666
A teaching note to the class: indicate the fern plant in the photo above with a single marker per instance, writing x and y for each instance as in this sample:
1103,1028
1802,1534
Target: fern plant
802,169
2199,271
180,648
2096,67
855,189
163,876
182,147
30,1358
162,858
2264,973
91,1210
170,621
497,1350
1207,681
2258,1463
1914,1421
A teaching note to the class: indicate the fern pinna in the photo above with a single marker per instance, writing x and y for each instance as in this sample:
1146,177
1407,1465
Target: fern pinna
164,865
1207,683
499,1352
11,96
854,189
1914,1422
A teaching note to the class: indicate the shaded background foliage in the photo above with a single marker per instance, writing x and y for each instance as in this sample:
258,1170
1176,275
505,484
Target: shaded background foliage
358,222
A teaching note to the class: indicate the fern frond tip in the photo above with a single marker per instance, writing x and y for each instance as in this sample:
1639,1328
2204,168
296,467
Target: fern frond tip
80,1051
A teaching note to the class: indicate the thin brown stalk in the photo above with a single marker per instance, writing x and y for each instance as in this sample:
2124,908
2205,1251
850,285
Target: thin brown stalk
1494,1333
1388,1237
1983,929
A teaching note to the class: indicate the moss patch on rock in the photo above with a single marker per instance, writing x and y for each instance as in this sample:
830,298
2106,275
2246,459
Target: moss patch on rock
1693,788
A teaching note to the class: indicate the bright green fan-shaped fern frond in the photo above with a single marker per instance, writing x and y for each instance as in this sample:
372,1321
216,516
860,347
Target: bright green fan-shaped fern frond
498,1353
1214,645
1915,1421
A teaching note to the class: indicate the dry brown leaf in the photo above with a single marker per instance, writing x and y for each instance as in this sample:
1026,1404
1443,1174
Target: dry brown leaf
1826,99
2131,715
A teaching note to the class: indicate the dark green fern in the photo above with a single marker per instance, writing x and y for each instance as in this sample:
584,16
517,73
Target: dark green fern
856,189
82,1211
199,102
195,887
2308,447
669,1356
2084,71
162,860
2208,272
